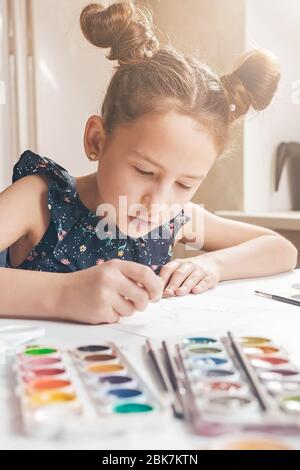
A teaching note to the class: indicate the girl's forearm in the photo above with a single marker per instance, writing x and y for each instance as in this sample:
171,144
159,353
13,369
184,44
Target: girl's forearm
30,293
261,256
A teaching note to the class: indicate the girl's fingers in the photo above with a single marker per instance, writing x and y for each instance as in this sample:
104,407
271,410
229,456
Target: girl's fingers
133,293
144,275
113,317
191,281
179,276
168,269
123,306
206,283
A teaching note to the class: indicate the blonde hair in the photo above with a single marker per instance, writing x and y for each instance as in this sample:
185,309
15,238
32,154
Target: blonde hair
153,79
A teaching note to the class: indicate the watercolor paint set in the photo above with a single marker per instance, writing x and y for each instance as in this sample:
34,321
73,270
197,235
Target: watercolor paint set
223,384
91,388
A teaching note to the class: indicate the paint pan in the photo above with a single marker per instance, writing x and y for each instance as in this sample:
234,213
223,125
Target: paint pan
47,384
126,394
129,408
229,404
291,404
275,387
99,368
111,382
279,374
204,350
209,361
38,351
220,387
199,341
226,387
40,363
254,341
216,373
117,380
39,373
91,349
262,362
107,358
261,350
51,397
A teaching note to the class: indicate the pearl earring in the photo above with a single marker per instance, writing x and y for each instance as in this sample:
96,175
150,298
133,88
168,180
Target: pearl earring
93,156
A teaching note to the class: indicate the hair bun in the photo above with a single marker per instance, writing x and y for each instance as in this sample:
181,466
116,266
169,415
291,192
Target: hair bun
253,83
123,28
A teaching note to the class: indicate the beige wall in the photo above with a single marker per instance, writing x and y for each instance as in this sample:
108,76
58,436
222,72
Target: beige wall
213,30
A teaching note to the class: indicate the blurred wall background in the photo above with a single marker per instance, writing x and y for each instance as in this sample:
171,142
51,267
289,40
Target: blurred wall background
213,30
218,31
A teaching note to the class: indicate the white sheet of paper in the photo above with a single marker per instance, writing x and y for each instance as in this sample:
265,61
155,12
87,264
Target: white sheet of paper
211,310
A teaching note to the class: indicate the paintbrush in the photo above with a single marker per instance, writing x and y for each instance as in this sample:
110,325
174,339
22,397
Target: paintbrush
164,379
171,366
175,376
259,392
287,300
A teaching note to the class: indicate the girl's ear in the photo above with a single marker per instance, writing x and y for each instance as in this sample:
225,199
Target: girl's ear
94,138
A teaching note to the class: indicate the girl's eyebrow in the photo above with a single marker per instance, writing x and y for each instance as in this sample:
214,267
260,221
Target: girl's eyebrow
150,160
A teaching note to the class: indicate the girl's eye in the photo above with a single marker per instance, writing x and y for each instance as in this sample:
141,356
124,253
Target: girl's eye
149,173
183,186
142,172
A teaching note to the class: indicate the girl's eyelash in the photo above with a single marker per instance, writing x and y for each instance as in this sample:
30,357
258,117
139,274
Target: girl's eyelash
142,172
185,187
147,173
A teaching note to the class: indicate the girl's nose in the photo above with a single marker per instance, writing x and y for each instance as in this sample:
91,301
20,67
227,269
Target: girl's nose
152,205
156,207
146,200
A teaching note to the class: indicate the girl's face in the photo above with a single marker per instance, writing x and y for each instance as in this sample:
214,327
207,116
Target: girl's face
156,163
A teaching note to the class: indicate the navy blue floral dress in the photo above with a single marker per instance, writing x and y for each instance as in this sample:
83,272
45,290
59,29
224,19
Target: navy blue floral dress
70,242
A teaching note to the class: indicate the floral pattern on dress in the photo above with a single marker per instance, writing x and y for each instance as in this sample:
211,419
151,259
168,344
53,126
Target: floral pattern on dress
71,243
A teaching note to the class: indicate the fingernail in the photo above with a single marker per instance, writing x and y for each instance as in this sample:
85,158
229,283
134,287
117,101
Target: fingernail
169,290
182,289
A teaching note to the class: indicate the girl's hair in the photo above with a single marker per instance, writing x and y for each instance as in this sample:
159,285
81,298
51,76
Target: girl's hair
153,79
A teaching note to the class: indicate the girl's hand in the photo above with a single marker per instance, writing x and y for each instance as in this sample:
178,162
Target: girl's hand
105,293
190,275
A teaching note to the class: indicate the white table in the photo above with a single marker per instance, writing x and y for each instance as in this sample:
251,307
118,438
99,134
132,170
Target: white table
240,311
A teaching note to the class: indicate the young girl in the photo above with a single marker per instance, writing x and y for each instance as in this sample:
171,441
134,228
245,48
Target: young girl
165,120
